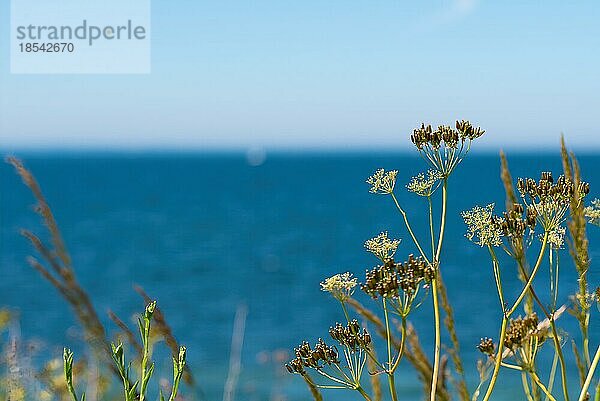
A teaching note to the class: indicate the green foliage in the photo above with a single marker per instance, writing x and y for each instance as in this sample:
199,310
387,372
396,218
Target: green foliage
133,391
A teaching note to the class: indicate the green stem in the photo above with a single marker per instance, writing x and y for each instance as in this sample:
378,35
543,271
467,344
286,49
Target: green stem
434,289
526,386
507,315
496,266
431,230
539,383
561,358
590,376
390,374
586,339
498,361
538,263
401,349
363,393
552,373
145,357
409,228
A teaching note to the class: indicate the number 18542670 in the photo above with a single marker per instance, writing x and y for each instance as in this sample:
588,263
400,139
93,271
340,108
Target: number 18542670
47,47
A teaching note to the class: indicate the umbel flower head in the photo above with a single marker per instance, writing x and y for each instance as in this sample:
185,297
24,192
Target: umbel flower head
340,286
520,330
592,212
381,246
351,336
425,184
481,228
486,346
391,278
513,224
549,199
382,182
445,147
315,358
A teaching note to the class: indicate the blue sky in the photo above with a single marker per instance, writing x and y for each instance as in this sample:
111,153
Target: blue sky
326,74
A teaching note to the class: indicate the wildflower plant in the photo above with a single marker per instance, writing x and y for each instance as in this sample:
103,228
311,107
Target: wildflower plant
133,390
550,210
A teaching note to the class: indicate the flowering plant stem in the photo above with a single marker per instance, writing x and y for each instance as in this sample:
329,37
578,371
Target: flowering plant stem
539,383
390,372
408,227
507,315
434,289
588,379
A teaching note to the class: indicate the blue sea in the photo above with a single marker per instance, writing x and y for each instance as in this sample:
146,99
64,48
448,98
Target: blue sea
206,233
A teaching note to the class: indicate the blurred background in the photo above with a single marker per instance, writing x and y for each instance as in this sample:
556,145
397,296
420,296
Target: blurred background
234,173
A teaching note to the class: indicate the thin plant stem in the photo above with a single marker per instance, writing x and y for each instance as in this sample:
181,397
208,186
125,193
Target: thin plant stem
561,358
496,266
590,376
431,230
507,315
526,386
539,383
552,373
510,366
586,338
533,274
389,350
434,289
363,393
409,228
401,349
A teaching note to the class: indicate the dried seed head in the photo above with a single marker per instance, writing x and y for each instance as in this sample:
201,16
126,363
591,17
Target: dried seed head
382,247
315,358
551,198
467,131
382,182
513,224
486,346
422,136
391,278
351,336
445,147
519,330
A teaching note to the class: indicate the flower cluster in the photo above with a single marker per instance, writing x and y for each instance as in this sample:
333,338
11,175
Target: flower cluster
556,237
340,286
514,222
425,184
444,135
382,182
382,247
481,228
593,212
444,147
350,335
549,199
486,346
315,358
520,330
389,279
